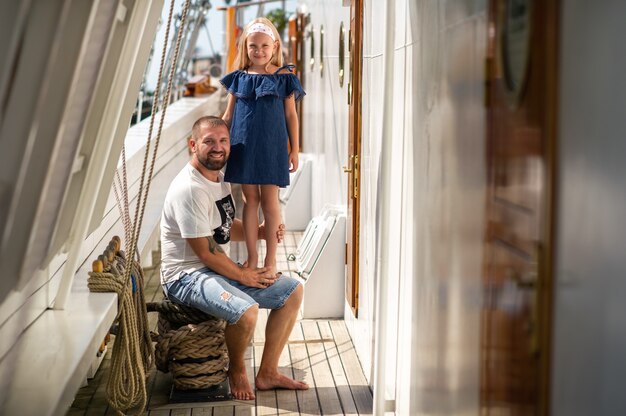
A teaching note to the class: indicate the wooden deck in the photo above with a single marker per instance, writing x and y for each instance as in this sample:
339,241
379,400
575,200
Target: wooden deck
319,352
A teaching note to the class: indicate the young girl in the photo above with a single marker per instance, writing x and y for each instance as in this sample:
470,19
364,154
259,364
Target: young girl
261,113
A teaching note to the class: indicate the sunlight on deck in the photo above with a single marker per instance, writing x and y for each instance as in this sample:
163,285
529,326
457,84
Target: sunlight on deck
319,352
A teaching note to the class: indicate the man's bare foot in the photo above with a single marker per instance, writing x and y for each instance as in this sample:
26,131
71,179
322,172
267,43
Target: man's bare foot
278,381
239,386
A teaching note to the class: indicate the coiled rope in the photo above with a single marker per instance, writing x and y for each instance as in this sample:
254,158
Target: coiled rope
190,345
132,350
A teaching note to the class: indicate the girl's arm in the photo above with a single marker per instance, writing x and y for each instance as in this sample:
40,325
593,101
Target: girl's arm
291,116
230,107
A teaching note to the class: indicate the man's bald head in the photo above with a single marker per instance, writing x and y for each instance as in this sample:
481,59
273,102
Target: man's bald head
206,121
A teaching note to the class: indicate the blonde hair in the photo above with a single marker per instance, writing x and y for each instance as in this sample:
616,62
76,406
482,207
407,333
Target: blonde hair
242,61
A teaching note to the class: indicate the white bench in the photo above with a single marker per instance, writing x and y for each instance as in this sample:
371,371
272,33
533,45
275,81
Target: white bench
295,200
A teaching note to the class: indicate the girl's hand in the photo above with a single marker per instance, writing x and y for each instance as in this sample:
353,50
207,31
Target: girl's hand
293,161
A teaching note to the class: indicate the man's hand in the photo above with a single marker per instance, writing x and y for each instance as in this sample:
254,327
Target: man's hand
257,277
280,233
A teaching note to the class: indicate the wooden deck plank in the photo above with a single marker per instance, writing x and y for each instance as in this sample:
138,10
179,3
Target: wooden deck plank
287,401
99,404
265,400
249,359
324,383
180,412
308,402
204,411
359,387
159,412
159,393
337,370
245,411
222,411
96,411
259,330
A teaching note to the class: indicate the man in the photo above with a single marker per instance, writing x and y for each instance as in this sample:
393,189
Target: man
196,227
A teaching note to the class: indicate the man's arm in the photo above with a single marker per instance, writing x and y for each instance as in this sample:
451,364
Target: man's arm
212,255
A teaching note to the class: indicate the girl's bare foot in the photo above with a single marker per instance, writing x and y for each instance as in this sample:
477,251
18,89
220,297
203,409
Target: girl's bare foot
265,381
239,386
252,262
271,269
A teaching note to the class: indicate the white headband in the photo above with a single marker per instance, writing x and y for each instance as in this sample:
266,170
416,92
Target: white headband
261,28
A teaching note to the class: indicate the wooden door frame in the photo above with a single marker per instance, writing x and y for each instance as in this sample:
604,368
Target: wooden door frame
546,250
546,262
355,42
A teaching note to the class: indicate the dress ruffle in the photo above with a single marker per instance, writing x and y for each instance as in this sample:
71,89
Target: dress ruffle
244,85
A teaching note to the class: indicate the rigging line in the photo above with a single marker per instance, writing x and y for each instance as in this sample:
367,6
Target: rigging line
118,200
130,245
161,120
125,196
143,197
208,35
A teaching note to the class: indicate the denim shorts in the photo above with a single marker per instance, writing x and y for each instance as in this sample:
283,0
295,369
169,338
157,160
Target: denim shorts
224,298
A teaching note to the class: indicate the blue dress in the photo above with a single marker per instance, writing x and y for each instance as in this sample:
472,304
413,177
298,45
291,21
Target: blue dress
258,132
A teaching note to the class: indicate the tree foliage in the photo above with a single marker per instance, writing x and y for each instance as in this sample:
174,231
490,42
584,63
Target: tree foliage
279,18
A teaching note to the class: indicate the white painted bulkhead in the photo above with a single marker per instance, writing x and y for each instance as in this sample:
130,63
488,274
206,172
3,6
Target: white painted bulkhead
589,337
437,195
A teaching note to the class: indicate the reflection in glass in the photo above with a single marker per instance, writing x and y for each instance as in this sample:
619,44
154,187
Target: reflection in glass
515,44
322,51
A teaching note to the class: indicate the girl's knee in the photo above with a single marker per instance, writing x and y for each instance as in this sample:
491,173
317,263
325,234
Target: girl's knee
270,205
251,194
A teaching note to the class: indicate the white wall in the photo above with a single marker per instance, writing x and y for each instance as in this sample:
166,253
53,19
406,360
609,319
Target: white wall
325,112
589,369
443,59
437,195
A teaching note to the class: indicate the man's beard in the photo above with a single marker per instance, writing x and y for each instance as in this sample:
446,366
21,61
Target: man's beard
213,164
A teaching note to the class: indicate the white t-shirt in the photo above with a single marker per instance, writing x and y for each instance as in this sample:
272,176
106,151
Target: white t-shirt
194,207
